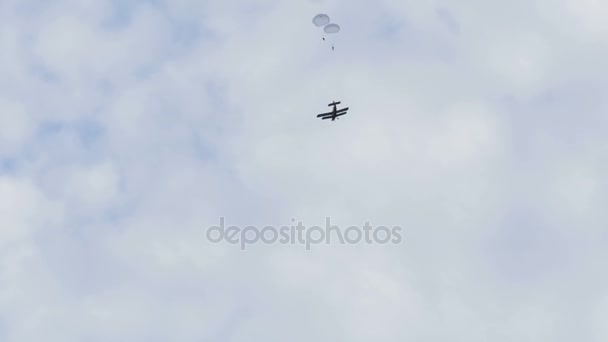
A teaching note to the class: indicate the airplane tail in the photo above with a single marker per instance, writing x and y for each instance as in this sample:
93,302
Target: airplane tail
334,103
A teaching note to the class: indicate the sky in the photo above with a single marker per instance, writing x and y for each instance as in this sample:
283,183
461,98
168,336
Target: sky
128,128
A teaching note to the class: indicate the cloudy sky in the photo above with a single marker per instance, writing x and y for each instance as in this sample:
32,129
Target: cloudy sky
128,128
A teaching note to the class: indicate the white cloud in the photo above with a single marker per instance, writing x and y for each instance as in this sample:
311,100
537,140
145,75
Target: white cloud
16,126
24,209
130,128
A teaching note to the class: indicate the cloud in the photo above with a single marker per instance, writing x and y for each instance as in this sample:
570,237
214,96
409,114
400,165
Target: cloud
127,129
17,127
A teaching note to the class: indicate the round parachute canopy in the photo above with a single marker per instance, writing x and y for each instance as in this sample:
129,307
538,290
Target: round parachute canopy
320,20
331,28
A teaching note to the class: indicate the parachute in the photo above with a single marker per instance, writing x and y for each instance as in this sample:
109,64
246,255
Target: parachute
331,28
320,20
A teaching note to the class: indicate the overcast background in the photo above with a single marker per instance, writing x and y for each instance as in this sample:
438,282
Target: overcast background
127,128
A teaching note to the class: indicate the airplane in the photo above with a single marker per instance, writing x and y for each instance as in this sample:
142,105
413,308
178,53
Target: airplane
334,113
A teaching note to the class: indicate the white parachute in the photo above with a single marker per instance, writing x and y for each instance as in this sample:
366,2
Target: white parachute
322,19
331,28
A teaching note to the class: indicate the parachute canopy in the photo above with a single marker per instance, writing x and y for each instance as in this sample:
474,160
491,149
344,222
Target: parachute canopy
320,20
331,28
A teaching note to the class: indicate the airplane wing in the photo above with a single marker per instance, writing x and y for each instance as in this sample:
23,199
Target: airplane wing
341,114
325,114
342,110
327,117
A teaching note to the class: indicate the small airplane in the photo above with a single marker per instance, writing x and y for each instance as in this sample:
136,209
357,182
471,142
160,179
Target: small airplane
334,113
